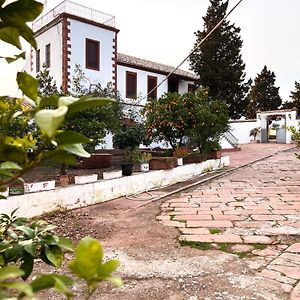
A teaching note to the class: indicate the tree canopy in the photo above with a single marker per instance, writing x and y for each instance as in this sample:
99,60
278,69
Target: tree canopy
219,63
264,95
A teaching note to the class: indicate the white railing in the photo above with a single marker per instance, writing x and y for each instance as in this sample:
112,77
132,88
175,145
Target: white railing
77,10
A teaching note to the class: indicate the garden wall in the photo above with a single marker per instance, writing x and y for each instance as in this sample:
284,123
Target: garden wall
75,196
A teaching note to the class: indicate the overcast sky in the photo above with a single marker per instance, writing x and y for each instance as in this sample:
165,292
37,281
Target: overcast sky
163,31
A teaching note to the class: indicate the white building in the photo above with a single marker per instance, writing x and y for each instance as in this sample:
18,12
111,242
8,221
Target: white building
73,34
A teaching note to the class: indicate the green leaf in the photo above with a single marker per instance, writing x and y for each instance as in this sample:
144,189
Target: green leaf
27,231
117,281
88,256
27,266
30,247
67,100
66,244
48,120
86,103
71,137
16,57
49,281
9,165
61,286
47,102
10,35
48,240
28,85
55,255
28,35
21,11
3,197
76,149
10,272
107,268
65,158
20,286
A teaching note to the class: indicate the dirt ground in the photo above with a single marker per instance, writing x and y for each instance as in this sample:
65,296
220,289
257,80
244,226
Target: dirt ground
154,265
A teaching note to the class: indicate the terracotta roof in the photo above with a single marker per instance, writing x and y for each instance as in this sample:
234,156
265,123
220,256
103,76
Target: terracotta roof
144,64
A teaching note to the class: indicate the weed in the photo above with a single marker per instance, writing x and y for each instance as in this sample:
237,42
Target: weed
224,247
215,230
172,217
259,246
196,245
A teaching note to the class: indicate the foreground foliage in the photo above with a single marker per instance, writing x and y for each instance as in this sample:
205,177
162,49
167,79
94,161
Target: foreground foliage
31,130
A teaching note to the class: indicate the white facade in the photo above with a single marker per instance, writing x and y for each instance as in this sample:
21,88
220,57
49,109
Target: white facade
52,36
142,79
79,32
67,28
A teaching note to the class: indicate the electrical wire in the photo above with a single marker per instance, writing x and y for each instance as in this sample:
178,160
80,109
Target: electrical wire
198,45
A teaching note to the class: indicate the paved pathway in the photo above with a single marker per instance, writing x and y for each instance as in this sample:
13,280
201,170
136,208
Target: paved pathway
254,210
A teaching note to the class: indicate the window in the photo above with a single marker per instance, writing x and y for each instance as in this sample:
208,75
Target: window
131,83
173,85
92,54
38,60
152,83
48,56
191,88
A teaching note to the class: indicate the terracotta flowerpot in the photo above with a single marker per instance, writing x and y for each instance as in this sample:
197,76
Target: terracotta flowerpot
64,180
216,154
195,158
163,163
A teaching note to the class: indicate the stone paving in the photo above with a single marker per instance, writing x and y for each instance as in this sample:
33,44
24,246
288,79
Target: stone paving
255,209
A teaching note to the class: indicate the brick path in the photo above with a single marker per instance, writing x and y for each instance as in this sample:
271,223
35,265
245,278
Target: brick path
256,208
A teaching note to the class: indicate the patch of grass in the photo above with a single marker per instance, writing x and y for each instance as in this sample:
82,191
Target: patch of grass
196,245
259,246
242,255
215,230
208,169
224,247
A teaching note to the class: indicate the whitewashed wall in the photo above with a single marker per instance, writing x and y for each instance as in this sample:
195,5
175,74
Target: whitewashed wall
241,130
52,36
142,82
79,31
183,86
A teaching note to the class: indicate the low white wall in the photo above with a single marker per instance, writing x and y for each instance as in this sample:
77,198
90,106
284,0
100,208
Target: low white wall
75,196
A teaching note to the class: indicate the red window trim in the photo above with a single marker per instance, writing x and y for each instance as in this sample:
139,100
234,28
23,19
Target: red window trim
38,61
149,89
97,55
48,55
135,85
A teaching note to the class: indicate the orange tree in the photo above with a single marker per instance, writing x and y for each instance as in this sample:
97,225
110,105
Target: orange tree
190,118
209,120
166,119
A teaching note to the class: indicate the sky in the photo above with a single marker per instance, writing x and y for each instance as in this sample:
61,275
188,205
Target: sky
163,31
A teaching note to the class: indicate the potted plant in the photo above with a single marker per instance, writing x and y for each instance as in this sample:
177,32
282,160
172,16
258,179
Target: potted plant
145,158
180,153
213,149
130,157
254,132
63,176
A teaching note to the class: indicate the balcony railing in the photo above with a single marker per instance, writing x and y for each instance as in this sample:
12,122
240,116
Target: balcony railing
77,10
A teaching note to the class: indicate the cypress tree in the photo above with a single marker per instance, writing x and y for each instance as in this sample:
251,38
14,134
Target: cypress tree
264,95
295,96
219,62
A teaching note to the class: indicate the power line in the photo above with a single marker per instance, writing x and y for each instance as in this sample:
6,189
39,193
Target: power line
195,48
